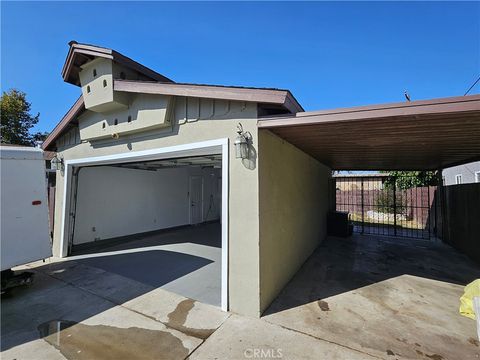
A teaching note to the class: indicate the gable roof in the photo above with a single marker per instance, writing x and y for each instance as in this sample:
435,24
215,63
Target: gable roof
79,54
283,98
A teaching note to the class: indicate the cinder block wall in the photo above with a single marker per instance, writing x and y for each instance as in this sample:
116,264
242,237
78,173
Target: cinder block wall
293,203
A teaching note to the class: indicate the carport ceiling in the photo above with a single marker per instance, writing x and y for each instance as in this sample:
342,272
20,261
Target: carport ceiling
417,135
214,161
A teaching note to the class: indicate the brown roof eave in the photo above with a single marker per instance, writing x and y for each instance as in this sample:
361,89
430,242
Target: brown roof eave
96,51
234,93
77,108
379,111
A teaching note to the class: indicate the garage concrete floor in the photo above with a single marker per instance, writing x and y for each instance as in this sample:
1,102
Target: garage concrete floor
362,298
186,261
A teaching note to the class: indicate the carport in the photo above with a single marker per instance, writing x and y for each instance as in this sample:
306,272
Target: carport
386,296
417,135
156,216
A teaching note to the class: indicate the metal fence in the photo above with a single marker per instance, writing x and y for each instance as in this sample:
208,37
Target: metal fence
377,206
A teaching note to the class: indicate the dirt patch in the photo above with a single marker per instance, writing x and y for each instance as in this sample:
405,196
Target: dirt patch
178,317
323,305
390,353
85,342
473,341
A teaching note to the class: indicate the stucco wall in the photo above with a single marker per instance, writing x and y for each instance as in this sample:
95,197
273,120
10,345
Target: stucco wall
115,201
243,183
293,203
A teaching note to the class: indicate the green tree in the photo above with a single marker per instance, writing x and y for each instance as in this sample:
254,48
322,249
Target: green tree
40,136
411,179
16,120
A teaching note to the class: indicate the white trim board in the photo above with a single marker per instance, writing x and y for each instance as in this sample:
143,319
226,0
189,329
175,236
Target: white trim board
193,149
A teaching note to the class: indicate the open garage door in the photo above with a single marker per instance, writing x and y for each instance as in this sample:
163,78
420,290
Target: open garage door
158,220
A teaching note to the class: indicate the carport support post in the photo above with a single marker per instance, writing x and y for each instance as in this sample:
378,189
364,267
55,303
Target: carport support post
441,202
394,208
363,220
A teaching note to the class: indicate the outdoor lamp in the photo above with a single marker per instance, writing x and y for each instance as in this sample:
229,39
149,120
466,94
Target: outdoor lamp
242,142
57,163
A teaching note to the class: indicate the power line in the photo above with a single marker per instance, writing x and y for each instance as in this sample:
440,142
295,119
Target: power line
471,87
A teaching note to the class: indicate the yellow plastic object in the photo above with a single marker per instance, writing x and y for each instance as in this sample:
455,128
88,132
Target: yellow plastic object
466,301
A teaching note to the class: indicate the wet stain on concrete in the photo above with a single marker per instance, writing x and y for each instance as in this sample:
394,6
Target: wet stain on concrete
390,352
178,317
473,341
78,341
434,356
431,356
323,305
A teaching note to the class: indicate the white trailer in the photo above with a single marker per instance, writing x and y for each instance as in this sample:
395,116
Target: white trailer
24,228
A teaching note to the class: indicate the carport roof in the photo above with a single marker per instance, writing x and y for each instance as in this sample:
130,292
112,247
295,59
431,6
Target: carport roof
417,135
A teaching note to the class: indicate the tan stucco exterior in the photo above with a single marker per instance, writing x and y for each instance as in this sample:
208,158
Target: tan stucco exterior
277,198
243,180
293,202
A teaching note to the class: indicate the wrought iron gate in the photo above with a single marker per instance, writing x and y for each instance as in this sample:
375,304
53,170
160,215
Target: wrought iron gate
376,206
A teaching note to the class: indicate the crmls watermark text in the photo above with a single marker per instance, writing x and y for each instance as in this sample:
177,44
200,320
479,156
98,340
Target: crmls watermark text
256,353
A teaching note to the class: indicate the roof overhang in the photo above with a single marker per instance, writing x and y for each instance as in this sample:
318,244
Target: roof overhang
267,96
80,54
417,135
67,121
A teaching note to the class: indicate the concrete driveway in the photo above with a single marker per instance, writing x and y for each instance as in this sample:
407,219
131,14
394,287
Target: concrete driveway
386,297
353,299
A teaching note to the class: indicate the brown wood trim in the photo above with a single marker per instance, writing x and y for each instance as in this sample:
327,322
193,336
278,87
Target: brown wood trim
73,112
292,104
414,108
126,61
268,96
96,51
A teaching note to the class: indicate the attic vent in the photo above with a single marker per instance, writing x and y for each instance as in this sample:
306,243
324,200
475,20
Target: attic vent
103,125
88,89
104,83
129,118
94,72
122,75
115,122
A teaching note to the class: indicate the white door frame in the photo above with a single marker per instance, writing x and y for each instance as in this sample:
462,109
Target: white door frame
190,198
193,149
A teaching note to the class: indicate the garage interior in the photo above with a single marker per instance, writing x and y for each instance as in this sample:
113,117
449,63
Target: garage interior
157,222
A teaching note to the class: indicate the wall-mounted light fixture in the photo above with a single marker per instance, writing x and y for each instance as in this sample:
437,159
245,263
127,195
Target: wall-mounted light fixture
57,163
242,142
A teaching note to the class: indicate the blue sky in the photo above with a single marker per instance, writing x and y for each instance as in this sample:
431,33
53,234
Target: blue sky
328,54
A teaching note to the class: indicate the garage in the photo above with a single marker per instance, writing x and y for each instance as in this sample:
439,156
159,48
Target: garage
155,217
276,166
